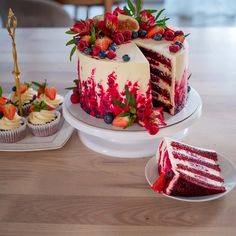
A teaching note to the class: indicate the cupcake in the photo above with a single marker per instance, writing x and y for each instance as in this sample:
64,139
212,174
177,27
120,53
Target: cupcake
12,126
28,95
49,96
43,120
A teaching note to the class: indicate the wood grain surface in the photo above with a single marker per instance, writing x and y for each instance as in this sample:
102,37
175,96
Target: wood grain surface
75,191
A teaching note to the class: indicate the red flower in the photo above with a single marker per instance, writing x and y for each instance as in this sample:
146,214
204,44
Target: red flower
111,22
109,25
82,27
118,10
82,45
147,20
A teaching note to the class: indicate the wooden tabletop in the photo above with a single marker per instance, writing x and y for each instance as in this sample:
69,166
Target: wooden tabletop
75,191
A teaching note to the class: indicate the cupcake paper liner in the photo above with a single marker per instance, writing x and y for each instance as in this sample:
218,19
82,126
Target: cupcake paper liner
13,135
44,130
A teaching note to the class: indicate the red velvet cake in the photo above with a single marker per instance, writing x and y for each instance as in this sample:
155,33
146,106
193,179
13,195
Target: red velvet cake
187,171
131,67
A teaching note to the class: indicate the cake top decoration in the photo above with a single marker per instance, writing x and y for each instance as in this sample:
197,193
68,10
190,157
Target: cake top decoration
99,37
11,28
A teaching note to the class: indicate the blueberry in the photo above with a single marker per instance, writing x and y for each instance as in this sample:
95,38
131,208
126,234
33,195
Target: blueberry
1,115
126,57
142,33
102,54
76,40
14,88
157,37
108,118
88,51
189,88
112,47
179,44
134,35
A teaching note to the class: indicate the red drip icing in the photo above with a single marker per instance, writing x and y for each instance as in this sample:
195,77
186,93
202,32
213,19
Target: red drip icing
97,101
181,93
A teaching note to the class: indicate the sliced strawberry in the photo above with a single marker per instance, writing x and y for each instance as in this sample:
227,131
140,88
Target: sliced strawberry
86,38
9,111
23,88
179,39
159,185
50,108
155,30
120,122
51,92
103,42
3,101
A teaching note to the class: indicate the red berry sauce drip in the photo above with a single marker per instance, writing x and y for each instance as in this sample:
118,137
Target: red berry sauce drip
181,92
97,101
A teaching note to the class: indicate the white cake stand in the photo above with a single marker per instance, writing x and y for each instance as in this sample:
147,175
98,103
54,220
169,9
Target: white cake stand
134,141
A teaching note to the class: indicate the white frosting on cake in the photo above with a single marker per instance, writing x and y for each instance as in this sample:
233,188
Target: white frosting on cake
137,69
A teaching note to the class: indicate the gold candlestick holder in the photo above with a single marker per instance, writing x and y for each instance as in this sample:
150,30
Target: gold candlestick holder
11,28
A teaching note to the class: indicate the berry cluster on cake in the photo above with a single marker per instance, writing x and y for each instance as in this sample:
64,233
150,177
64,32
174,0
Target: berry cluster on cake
40,112
131,67
186,170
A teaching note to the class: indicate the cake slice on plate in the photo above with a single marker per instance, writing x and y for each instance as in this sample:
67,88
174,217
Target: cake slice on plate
187,171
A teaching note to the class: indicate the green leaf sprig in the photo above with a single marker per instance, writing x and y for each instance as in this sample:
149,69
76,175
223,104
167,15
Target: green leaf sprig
75,86
1,91
40,105
130,104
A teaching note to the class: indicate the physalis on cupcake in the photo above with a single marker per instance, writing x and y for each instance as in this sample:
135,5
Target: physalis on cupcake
28,95
49,95
43,120
12,126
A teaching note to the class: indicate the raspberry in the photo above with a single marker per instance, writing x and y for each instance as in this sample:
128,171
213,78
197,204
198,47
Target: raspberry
179,33
82,45
75,98
169,35
127,35
96,50
174,48
118,38
153,129
111,54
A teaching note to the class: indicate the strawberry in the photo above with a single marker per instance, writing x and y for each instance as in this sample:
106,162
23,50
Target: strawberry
179,39
51,92
86,38
3,101
155,30
120,122
159,185
103,43
23,88
9,111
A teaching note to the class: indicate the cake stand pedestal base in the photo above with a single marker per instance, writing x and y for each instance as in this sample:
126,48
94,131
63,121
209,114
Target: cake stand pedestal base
132,149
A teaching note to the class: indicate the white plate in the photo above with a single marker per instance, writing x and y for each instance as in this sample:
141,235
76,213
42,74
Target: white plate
33,143
228,173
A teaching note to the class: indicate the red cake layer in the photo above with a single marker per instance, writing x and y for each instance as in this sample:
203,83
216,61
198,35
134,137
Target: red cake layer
157,79
154,62
181,156
158,57
161,75
200,172
190,187
208,154
159,90
157,103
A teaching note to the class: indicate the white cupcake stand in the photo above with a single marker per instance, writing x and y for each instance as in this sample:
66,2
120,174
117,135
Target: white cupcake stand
135,141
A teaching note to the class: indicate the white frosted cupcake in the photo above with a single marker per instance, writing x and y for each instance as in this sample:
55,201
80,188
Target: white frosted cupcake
12,126
49,96
28,95
41,121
